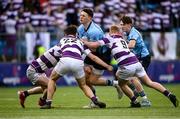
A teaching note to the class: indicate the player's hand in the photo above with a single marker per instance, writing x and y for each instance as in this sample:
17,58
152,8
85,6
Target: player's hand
84,40
110,68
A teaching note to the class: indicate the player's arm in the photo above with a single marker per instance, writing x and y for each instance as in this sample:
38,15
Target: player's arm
92,45
100,62
132,43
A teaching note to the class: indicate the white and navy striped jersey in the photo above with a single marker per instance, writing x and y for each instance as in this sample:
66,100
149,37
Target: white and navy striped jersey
119,50
72,47
48,60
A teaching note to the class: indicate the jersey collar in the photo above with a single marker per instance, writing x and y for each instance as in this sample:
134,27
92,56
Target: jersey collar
88,26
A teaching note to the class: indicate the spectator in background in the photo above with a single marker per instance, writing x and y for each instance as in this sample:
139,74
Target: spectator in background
71,16
4,5
10,28
39,49
162,45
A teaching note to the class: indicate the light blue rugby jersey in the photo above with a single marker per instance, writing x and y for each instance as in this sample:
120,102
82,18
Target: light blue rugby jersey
140,48
93,32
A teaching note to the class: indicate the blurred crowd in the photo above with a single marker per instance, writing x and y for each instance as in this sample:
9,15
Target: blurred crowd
147,14
20,16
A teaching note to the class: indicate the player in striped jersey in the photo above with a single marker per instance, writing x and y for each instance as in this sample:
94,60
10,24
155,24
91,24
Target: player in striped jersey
72,61
129,66
36,74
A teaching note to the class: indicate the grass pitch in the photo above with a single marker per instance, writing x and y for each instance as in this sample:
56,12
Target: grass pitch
68,103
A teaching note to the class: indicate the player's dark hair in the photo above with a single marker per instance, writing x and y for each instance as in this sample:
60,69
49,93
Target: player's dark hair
71,30
89,11
126,20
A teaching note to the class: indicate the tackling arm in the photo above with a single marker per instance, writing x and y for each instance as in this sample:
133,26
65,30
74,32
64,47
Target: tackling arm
100,62
92,45
132,43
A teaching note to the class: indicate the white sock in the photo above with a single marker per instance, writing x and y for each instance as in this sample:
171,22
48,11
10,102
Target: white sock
115,83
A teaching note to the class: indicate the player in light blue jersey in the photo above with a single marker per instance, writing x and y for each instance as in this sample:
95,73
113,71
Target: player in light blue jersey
135,41
92,32
137,46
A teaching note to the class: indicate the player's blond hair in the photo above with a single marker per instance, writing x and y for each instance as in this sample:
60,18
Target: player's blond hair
114,29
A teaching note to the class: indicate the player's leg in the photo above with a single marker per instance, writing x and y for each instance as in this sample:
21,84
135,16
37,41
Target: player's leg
109,82
51,89
115,81
79,74
43,82
157,86
138,90
129,93
91,81
24,94
145,61
37,79
95,78
123,73
88,92
141,74
42,99
88,71
88,82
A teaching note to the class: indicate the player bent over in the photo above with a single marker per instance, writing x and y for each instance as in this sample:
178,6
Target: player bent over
36,74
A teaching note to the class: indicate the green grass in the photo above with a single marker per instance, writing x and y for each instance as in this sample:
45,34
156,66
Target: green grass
68,103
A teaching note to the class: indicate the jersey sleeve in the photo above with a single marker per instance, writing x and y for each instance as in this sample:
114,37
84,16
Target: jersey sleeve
104,41
133,35
86,50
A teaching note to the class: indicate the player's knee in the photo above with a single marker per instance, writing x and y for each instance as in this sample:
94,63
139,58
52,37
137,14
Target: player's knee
88,70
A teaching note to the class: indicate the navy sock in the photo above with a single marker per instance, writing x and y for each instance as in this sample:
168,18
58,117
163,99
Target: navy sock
142,94
166,93
133,99
44,96
93,90
26,93
94,99
132,86
136,93
109,82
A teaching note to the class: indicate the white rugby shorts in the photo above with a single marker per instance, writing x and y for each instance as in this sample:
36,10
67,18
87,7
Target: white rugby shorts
70,65
126,72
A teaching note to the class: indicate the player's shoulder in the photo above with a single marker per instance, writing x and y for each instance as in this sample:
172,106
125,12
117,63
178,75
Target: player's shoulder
134,31
96,26
95,29
80,28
